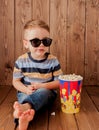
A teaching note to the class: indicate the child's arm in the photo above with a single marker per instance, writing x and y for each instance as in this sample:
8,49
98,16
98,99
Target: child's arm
49,85
21,87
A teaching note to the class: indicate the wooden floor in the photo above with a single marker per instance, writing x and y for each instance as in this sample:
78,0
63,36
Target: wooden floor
53,118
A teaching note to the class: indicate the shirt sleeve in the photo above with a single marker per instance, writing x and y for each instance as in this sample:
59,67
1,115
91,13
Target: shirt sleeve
17,73
56,69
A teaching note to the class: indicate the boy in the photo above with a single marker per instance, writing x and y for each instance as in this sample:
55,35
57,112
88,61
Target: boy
35,74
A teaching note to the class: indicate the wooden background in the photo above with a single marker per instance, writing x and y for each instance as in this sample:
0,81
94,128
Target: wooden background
74,28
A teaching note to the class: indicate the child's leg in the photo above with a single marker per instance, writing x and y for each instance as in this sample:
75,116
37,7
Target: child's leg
24,113
42,97
25,118
20,108
38,99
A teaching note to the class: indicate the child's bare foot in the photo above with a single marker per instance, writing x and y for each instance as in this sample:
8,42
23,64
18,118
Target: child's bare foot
25,118
17,110
20,108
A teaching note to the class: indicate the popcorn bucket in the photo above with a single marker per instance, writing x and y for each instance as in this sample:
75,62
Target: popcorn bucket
70,92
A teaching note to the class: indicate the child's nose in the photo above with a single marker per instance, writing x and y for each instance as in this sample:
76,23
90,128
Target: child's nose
41,44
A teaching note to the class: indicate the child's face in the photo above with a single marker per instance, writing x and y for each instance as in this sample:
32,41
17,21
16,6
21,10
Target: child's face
40,33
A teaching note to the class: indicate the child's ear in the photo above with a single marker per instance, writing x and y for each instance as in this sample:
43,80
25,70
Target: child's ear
25,43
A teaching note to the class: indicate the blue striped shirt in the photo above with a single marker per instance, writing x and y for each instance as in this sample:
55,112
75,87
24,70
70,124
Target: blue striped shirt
30,70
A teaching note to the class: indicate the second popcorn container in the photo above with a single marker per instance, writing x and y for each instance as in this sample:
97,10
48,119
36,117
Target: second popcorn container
70,92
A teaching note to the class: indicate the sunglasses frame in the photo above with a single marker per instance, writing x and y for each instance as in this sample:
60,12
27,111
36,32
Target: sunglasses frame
45,41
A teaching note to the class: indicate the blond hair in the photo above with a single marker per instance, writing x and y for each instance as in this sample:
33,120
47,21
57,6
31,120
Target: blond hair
36,23
33,24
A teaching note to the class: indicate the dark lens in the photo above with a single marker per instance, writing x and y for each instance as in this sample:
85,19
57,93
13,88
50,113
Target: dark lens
35,42
47,41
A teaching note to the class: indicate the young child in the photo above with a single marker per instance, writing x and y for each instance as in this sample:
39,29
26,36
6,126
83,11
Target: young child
35,75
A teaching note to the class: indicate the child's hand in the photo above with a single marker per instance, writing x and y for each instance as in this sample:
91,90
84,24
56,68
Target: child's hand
37,85
29,89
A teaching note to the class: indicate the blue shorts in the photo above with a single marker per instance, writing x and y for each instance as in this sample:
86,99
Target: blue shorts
40,98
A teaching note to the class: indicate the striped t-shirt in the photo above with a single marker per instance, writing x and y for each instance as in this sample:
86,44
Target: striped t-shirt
30,70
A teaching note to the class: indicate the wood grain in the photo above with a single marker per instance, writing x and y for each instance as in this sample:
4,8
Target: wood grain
6,41
92,43
58,30
40,10
86,119
23,13
74,28
75,37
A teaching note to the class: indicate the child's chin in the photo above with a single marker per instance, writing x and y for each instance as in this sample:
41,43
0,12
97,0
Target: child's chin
40,53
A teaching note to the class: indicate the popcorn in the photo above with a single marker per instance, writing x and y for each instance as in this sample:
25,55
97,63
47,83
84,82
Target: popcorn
70,77
70,89
53,113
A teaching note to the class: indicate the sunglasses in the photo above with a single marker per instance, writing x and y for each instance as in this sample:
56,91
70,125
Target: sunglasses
36,42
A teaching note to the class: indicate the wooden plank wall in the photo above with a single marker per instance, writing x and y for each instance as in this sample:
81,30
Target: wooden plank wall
6,41
74,26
